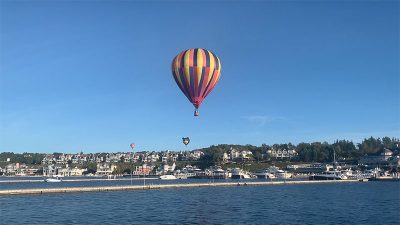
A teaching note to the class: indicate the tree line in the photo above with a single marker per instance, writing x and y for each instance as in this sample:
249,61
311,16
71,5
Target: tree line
26,158
307,152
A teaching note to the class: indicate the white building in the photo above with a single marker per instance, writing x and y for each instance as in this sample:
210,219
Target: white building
282,153
196,155
50,170
225,157
246,155
167,168
105,169
237,154
234,154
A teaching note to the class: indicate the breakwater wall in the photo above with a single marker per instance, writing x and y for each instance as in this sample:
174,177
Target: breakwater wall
159,186
76,180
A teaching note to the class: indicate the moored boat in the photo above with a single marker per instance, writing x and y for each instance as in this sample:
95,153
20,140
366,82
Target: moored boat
329,175
385,176
332,172
168,177
53,179
278,173
264,174
239,174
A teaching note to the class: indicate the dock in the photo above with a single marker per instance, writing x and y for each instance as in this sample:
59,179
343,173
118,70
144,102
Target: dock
384,179
160,186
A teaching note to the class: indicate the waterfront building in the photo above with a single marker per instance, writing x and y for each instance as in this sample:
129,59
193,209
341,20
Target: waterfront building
51,170
20,172
68,171
376,160
15,169
31,171
143,169
105,169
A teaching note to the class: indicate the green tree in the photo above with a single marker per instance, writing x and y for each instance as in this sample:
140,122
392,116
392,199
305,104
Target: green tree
206,161
370,146
91,168
345,149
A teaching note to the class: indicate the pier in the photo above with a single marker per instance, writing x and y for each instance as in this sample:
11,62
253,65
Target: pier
160,186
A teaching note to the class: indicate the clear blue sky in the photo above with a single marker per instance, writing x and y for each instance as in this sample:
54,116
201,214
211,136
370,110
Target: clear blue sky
95,75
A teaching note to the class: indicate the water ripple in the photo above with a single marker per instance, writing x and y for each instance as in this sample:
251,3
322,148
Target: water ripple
349,203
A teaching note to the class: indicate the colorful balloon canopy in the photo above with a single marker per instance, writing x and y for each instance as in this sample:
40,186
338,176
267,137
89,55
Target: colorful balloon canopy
132,145
196,71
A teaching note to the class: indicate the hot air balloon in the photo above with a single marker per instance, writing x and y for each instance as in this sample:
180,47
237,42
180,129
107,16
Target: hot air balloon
132,145
196,71
186,140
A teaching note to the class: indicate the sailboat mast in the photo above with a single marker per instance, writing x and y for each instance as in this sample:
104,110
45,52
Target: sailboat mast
334,158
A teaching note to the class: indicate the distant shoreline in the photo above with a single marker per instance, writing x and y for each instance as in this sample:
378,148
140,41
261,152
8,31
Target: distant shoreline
158,186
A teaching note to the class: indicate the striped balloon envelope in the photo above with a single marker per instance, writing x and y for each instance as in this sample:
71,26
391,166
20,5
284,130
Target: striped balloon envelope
196,71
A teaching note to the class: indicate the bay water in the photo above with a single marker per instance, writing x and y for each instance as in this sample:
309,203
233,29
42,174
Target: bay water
367,203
